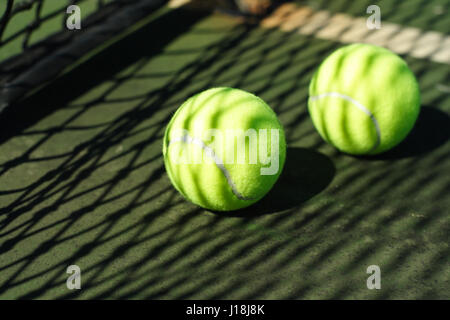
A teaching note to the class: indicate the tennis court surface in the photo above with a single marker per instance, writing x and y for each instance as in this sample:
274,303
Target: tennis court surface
82,178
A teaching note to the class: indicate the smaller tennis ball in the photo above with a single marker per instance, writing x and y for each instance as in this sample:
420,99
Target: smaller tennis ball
224,149
363,99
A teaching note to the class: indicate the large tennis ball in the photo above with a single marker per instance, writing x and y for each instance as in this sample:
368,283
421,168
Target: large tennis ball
224,149
363,99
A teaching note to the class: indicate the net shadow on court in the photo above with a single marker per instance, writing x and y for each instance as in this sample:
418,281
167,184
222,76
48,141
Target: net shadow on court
104,201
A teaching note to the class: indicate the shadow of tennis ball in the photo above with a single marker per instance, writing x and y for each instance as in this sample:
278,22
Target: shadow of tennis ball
431,130
306,173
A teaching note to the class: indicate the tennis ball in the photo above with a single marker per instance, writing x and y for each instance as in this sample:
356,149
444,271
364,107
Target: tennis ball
363,99
224,149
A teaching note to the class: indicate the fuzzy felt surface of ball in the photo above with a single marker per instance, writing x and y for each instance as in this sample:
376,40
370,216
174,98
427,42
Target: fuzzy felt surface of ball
224,149
363,99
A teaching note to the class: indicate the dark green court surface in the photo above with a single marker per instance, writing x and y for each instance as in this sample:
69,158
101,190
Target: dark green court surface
82,181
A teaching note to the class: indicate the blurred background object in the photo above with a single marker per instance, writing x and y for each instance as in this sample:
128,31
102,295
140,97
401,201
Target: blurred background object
251,8
254,7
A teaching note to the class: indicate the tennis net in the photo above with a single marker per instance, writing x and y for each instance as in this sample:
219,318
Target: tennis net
36,45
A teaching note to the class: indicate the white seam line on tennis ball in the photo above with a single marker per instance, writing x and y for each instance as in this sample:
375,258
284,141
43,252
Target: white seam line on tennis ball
219,163
359,106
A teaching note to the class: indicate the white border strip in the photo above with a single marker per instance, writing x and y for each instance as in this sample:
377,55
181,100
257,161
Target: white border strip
344,28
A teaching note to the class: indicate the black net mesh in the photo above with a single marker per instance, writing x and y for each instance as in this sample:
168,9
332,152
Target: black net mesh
36,45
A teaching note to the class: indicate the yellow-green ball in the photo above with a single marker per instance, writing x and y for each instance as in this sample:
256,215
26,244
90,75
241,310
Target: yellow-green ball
364,99
211,143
